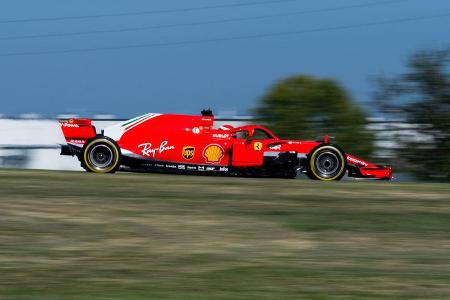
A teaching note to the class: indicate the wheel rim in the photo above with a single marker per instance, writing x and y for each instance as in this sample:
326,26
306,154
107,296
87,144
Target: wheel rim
327,164
101,156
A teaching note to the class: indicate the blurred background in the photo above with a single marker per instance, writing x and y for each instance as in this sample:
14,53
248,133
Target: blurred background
373,74
408,126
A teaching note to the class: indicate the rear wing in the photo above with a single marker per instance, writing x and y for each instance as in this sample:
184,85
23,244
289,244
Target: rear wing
77,131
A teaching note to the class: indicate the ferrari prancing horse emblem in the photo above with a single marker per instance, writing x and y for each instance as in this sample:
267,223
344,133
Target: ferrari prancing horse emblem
257,146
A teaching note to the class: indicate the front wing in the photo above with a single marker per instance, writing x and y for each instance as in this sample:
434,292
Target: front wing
359,168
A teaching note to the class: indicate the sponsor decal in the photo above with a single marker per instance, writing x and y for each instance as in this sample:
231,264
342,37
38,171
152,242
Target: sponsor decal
257,146
181,167
201,168
357,161
220,135
73,141
210,168
159,165
188,152
171,166
191,168
276,147
196,130
213,153
70,125
226,127
148,150
223,169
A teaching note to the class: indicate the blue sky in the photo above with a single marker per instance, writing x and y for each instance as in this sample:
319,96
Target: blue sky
227,75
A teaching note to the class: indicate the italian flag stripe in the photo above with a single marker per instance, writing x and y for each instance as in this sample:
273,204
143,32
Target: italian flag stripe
130,122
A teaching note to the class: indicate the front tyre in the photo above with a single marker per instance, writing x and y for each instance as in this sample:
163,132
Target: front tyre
326,162
101,155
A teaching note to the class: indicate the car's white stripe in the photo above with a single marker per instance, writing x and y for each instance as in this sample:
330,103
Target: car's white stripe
275,154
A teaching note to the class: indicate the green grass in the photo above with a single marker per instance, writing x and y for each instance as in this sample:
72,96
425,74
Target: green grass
69,235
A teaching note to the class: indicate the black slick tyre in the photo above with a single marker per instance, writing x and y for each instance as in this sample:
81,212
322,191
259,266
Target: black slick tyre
101,155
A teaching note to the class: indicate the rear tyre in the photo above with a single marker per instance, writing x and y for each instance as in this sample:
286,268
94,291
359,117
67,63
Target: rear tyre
326,162
101,155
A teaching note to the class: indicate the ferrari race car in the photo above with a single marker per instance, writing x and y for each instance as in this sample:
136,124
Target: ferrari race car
191,144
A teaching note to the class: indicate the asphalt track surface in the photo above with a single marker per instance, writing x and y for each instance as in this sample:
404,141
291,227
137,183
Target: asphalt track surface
74,235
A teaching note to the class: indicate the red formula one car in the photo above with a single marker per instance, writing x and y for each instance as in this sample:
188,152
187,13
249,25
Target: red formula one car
191,144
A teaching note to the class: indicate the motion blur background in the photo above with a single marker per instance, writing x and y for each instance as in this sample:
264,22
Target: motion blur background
373,74
31,143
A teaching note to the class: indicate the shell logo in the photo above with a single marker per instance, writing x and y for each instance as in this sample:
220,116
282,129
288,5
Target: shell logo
213,153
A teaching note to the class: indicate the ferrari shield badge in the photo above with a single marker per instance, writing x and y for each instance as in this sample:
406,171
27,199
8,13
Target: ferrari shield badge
257,146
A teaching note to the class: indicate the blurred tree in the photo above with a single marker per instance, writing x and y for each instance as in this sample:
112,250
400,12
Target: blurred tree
422,97
306,107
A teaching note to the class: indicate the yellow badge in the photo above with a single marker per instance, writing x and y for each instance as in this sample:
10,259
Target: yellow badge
257,146
213,153
188,152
